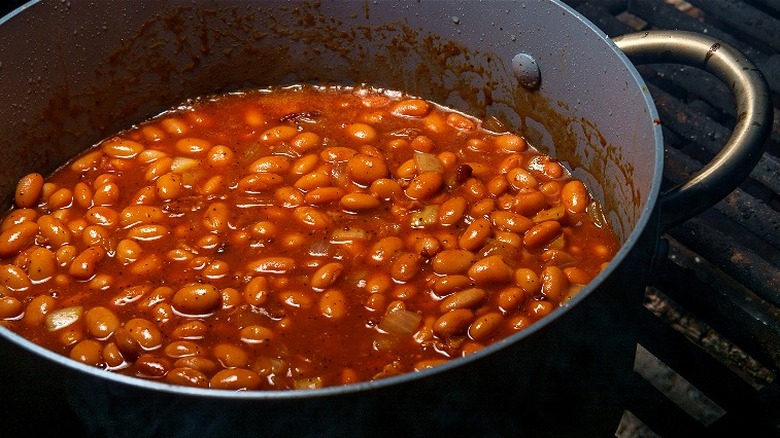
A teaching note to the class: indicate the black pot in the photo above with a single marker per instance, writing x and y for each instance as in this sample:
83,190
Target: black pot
74,72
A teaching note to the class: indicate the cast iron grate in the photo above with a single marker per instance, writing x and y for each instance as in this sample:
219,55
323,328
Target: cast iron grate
709,351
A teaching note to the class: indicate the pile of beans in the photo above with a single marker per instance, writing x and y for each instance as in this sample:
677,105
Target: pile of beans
296,237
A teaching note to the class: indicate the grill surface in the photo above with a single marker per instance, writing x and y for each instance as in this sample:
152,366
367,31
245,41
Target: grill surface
709,350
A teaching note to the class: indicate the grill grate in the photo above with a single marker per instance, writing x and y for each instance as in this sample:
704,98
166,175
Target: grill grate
709,352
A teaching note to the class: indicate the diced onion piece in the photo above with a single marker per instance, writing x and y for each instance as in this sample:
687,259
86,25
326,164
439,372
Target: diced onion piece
62,318
551,214
400,322
491,123
348,235
285,149
596,214
496,247
426,162
253,152
183,164
424,218
384,342
558,243
308,383
192,176
319,248
572,292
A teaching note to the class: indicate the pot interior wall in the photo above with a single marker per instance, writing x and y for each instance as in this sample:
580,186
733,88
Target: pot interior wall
102,66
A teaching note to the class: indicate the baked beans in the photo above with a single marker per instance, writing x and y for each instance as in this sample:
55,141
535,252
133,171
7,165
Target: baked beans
303,237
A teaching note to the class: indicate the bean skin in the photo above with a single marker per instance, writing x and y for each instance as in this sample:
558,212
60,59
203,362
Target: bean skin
216,217
190,330
365,169
18,216
140,214
28,190
197,299
448,284
476,234
453,322
385,188
145,333
485,326
187,377
122,148
362,132
18,237
326,275
306,141
554,282
230,355
87,352
386,249
406,266
575,196
151,366
323,195
453,261
411,108
333,304
311,217
511,143
489,270
511,298
85,264
10,307
541,234
513,222
425,185
272,265
235,379
465,299
529,203
452,210
359,202
101,322
43,264
256,334
37,309
270,164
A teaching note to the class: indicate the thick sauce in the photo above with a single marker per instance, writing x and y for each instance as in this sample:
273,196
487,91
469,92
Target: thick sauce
295,238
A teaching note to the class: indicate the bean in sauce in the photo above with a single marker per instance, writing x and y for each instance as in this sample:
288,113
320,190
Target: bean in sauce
295,237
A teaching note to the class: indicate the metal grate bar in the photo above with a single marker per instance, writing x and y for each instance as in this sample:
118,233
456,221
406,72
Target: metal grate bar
602,18
728,307
660,414
720,383
665,16
744,18
768,4
725,250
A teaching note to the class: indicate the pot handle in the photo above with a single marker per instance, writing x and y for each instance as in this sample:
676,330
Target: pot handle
754,121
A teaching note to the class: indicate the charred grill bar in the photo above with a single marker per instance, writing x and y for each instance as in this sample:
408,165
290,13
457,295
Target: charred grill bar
709,351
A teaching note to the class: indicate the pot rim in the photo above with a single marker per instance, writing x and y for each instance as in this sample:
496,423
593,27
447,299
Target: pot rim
644,219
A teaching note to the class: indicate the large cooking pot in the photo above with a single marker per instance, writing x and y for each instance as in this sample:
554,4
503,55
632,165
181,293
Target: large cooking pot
73,72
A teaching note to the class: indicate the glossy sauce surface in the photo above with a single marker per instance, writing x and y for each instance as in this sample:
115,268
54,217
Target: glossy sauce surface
295,238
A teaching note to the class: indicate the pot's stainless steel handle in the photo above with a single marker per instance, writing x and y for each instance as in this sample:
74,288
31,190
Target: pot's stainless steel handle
754,115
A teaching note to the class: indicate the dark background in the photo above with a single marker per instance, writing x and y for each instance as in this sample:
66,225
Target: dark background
7,6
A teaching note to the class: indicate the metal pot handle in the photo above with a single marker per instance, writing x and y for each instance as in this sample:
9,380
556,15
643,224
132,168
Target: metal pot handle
754,122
